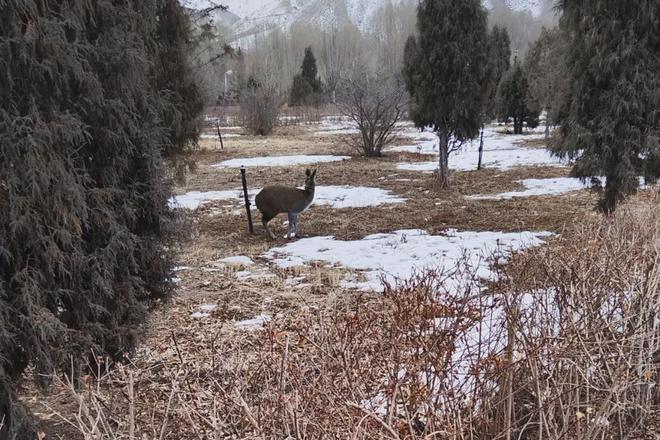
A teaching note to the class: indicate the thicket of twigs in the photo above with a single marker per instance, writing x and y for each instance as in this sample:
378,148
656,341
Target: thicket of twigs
259,109
564,345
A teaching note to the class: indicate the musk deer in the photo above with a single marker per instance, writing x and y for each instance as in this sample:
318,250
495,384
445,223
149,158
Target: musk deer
273,200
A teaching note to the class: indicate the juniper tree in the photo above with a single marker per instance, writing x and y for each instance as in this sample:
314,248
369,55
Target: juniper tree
545,68
173,73
444,68
499,56
85,226
499,62
514,101
306,85
612,127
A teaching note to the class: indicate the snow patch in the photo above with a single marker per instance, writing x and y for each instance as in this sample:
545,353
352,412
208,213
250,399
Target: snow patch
208,307
396,256
539,187
195,199
214,137
181,268
334,196
238,260
246,275
254,323
354,196
498,159
501,151
278,161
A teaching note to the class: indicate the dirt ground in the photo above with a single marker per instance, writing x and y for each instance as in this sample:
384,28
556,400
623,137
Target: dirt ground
219,230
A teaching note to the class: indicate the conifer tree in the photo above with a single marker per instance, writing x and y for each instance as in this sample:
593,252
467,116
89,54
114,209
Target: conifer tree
445,66
85,227
513,100
173,73
499,56
545,68
306,85
309,70
499,62
612,128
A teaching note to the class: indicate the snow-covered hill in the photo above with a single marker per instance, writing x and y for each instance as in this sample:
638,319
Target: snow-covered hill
248,17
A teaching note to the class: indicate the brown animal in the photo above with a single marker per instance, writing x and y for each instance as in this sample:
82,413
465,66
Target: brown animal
273,200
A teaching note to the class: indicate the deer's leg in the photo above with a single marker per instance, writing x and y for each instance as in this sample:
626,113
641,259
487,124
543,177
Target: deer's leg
295,224
264,221
292,222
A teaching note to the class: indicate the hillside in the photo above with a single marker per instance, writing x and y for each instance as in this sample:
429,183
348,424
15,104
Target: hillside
249,17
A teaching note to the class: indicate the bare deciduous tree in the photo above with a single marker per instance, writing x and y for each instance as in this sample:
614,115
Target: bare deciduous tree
260,106
375,106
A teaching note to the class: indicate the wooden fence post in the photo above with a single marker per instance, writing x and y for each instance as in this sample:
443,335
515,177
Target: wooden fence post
247,200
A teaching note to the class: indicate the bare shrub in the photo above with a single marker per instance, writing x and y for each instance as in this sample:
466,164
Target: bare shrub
260,104
375,105
405,366
562,345
583,318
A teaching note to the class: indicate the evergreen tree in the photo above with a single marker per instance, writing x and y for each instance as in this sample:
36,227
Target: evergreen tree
513,100
301,90
85,225
499,62
612,125
445,66
545,68
173,73
309,70
499,55
306,86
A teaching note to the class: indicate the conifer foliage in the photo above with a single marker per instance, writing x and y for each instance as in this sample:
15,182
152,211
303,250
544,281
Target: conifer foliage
444,69
514,100
545,68
499,62
85,116
307,87
612,127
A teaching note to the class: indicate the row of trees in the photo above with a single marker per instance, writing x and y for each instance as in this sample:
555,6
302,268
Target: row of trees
93,95
595,75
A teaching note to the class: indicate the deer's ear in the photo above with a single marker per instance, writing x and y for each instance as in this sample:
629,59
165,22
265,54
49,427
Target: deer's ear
307,172
314,174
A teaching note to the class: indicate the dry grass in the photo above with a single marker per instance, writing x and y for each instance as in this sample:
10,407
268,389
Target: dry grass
327,348
576,360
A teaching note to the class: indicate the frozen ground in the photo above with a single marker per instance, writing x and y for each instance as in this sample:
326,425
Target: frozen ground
333,196
539,187
278,161
398,255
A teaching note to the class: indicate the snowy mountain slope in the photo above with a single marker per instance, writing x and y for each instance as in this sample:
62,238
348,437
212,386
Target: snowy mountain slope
249,17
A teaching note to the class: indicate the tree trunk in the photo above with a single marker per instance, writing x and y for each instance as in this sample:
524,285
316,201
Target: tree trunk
517,126
547,124
481,148
612,195
443,162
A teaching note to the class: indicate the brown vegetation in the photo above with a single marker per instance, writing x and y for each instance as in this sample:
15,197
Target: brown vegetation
335,363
